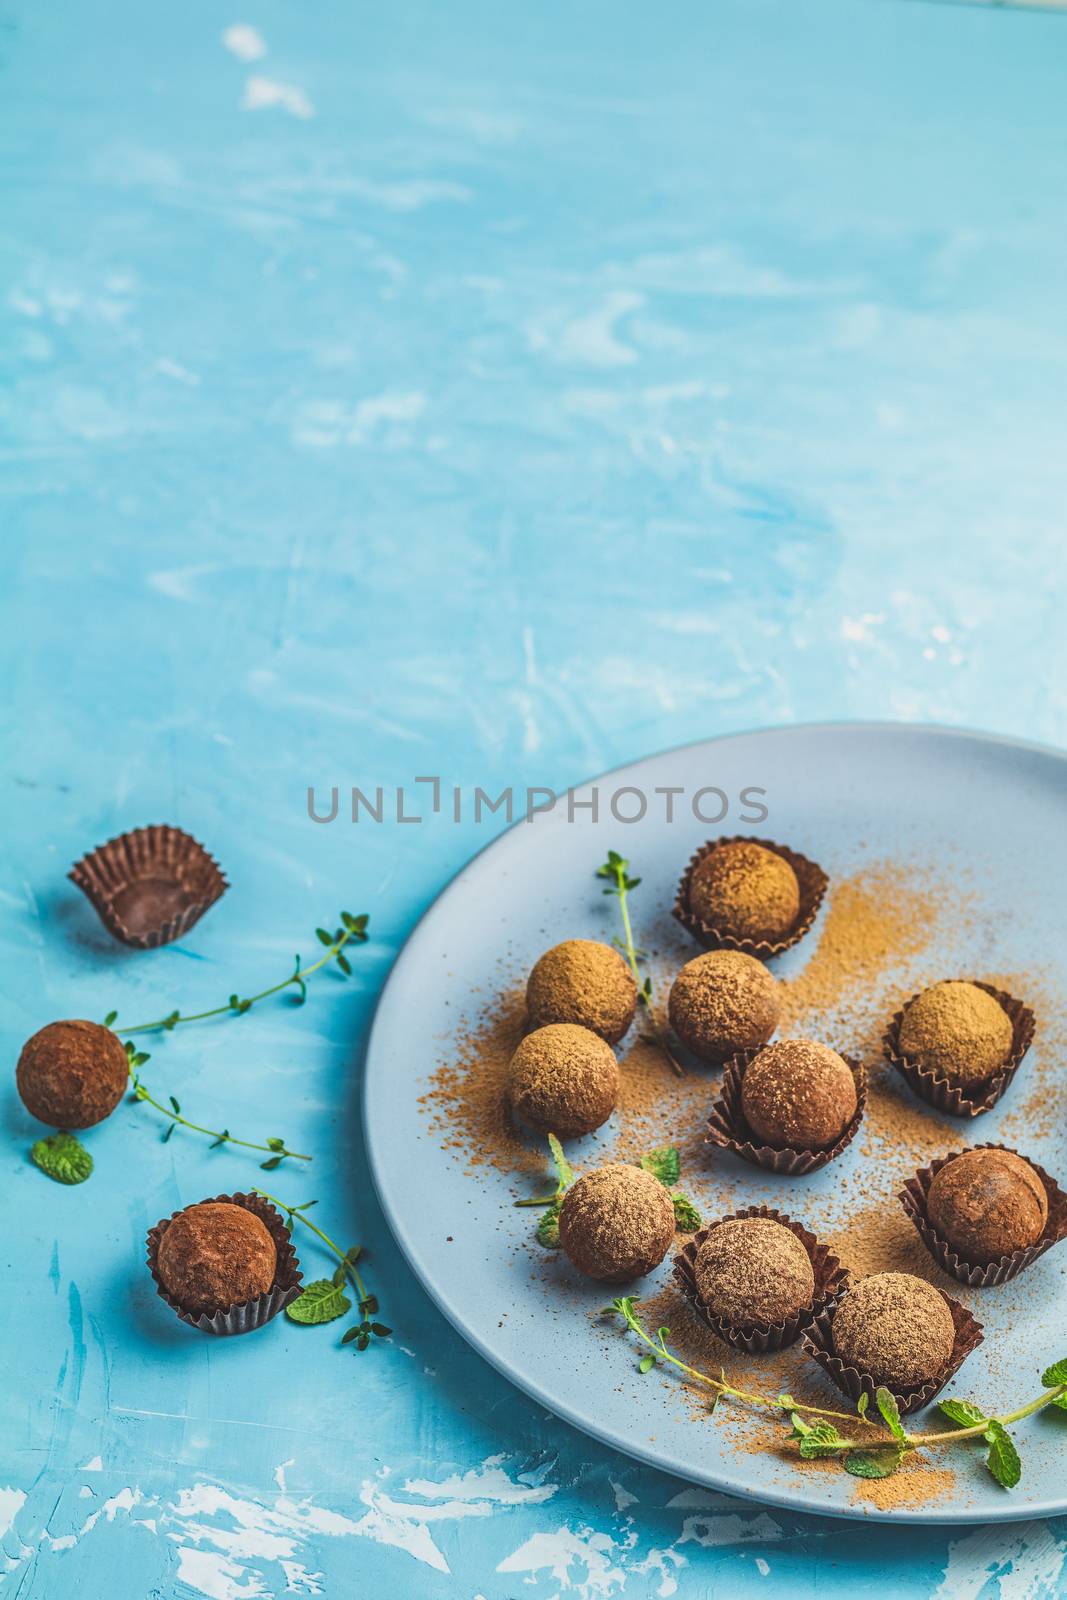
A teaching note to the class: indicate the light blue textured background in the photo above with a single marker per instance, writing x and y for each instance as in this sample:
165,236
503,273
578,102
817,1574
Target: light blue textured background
501,393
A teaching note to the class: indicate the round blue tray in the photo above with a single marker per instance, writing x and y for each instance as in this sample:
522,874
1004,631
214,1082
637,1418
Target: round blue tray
843,795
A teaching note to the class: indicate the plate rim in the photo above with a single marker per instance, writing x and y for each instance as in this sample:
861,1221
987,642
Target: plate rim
785,1499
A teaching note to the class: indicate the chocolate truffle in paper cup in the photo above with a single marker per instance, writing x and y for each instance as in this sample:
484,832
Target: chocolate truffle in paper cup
895,1328
959,1044
752,895
225,1265
798,1095
757,1278
986,1214
780,1100
150,886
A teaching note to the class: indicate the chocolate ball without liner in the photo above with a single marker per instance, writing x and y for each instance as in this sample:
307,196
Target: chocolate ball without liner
72,1074
754,1270
584,982
723,1002
616,1223
216,1255
895,1329
958,1030
744,889
564,1080
987,1203
798,1095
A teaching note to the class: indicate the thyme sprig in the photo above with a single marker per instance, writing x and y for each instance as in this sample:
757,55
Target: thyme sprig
324,1300
352,931
616,870
276,1149
876,1455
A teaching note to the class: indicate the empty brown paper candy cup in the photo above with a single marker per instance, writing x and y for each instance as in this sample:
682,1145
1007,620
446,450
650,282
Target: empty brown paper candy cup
150,886
811,881
961,1100
914,1195
818,1343
728,1129
251,1313
756,1338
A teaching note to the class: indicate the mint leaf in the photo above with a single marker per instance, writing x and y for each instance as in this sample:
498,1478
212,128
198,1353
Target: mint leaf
1003,1458
862,1403
548,1227
873,1463
686,1215
961,1411
821,1440
1053,1376
62,1157
890,1413
663,1164
321,1301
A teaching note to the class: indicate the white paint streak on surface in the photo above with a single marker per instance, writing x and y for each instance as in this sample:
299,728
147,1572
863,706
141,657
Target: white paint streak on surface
559,1552
267,94
382,409
11,1503
245,42
623,1497
1021,1562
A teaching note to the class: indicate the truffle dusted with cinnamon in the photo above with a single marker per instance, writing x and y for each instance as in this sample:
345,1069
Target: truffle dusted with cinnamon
894,1329
72,1074
745,890
616,1223
584,982
753,1270
723,1002
958,1030
564,1080
216,1255
798,1095
987,1203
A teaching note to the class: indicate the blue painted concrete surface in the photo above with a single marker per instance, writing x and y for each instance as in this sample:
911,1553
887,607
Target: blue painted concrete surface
495,393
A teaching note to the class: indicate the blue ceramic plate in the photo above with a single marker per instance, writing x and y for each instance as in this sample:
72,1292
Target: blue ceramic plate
993,809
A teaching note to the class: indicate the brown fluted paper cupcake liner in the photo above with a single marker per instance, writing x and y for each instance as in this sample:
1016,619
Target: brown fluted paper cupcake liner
818,1343
756,1338
915,1193
151,885
811,880
728,1129
286,1288
957,1099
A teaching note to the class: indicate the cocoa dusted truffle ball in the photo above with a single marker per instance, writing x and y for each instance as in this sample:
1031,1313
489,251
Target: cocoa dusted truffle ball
957,1030
216,1255
752,1269
723,1002
584,982
72,1074
746,890
563,1080
798,1095
616,1223
987,1203
895,1329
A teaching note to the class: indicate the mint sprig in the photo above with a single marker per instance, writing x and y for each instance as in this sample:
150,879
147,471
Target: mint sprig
324,1300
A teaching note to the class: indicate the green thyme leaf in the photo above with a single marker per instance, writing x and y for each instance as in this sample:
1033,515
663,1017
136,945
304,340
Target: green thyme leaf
873,1463
563,1166
110,1018
321,1301
269,1166
663,1164
1003,1458
686,1215
344,963
63,1157
862,1403
646,1363
961,1411
379,1330
169,1131
323,937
